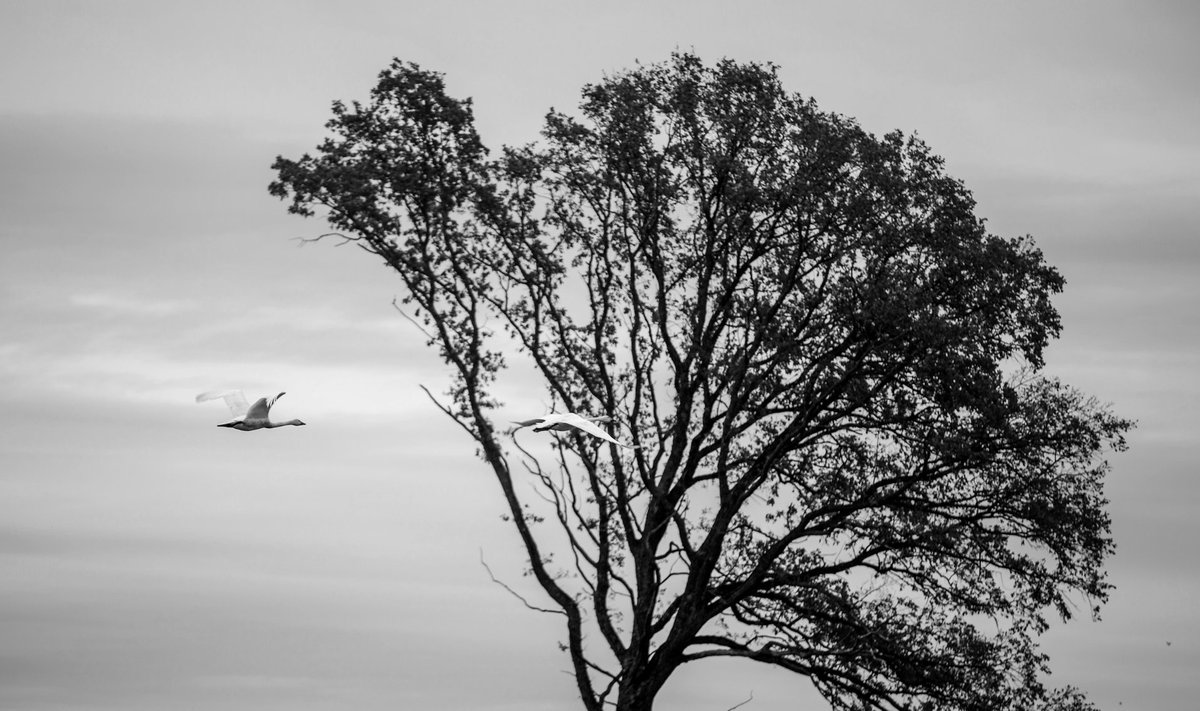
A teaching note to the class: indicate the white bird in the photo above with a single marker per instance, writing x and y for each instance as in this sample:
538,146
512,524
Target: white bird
563,421
246,417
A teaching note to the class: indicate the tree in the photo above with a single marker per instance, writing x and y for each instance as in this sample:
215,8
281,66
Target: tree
851,464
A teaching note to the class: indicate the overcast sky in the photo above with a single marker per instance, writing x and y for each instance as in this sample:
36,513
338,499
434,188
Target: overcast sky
149,560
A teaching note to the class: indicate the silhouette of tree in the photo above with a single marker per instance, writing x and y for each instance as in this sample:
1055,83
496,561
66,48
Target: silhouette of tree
851,464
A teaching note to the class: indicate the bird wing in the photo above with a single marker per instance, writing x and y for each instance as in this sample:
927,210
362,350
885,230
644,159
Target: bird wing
233,398
526,423
548,421
271,402
258,411
586,425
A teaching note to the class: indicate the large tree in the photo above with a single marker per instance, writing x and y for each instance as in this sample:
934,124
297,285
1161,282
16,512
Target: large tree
850,463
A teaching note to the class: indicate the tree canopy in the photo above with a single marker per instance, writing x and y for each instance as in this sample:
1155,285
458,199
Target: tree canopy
851,463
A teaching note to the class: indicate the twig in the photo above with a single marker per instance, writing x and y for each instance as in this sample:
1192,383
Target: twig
345,240
411,320
450,413
514,593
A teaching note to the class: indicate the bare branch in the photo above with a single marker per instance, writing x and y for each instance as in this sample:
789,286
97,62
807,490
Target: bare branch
514,593
743,703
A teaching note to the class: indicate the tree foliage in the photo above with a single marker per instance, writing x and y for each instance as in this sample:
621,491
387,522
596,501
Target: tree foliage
851,464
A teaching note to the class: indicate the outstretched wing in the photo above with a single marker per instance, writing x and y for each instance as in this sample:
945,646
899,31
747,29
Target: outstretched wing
525,423
586,425
271,402
233,398
258,411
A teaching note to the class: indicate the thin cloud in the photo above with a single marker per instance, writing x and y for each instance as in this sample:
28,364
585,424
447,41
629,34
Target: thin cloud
112,304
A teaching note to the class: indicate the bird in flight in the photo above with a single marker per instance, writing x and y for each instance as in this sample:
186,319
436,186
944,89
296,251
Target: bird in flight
564,421
246,417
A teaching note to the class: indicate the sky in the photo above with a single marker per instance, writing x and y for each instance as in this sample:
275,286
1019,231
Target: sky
150,560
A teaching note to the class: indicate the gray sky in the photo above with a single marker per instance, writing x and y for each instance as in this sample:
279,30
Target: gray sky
151,560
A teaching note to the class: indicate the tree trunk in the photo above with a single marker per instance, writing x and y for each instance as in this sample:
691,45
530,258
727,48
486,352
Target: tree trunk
641,699
638,691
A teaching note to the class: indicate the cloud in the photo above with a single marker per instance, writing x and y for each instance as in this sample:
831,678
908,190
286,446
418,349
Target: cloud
149,559
113,304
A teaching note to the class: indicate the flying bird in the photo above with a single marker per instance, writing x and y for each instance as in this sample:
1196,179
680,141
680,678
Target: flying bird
246,417
564,421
